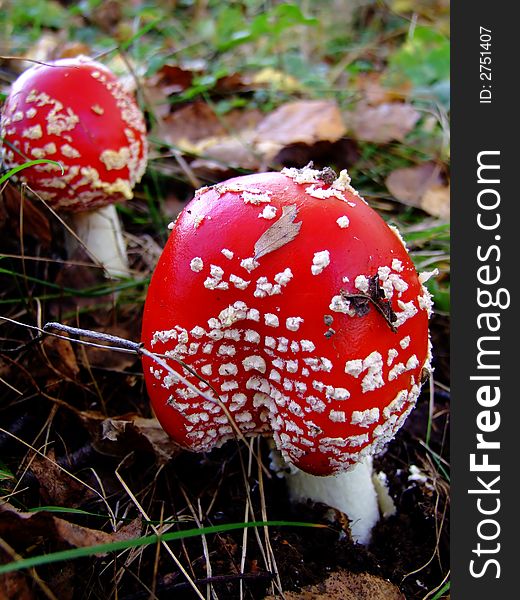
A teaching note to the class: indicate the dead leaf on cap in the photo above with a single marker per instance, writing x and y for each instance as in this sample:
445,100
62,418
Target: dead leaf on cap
421,186
307,121
383,123
343,585
280,233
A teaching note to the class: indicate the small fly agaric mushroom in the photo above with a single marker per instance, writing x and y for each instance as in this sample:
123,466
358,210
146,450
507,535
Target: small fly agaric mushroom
301,309
75,112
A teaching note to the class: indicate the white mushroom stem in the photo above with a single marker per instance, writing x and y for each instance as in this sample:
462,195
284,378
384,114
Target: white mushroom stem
102,236
352,493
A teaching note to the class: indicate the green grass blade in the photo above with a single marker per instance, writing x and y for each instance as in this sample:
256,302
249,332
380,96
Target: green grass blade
86,513
64,509
53,557
144,30
31,163
92,292
5,472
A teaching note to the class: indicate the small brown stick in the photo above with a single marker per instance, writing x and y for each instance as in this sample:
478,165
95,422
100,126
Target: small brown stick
124,345
119,344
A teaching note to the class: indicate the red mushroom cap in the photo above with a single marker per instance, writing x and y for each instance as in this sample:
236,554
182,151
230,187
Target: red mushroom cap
300,307
74,111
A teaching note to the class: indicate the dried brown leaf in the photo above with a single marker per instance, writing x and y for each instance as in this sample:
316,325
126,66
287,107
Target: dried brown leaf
342,154
35,222
169,80
408,185
421,186
245,138
133,431
23,527
143,250
72,49
157,101
343,585
107,15
78,536
384,123
56,486
190,125
14,586
436,202
172,78
63,582
222,144
232,83
60,354
111,429
307,121
239,120
280,233
117,436
278,80
224,153
42,50
160,442
374,92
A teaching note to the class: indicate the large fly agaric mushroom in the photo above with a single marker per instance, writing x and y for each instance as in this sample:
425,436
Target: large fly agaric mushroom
302,312
75,112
